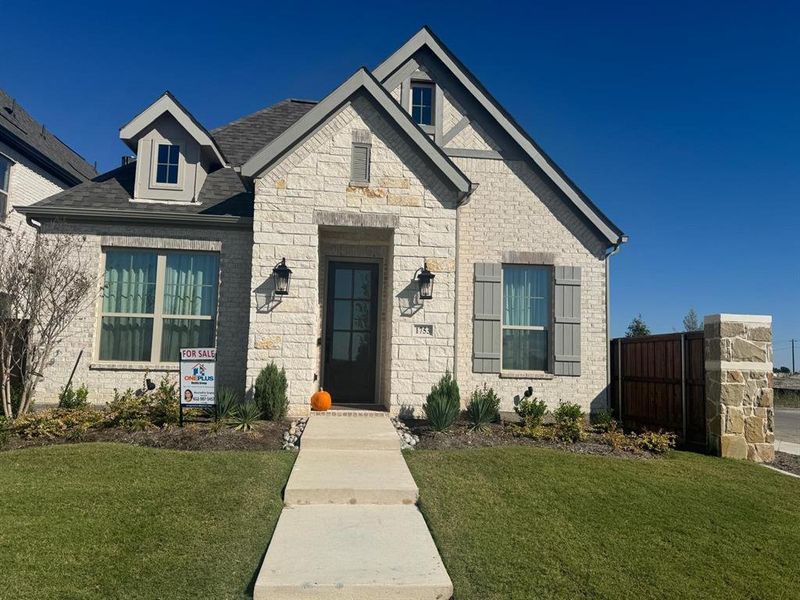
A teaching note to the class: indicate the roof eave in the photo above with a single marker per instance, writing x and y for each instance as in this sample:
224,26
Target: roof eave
41,159
143,217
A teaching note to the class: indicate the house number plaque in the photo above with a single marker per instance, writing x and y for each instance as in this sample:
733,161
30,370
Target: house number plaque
423,330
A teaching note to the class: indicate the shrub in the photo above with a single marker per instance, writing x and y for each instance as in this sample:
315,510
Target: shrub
569,420
58,423
245,416
129,411
658,442
603,420
164,402
443,404
483,408
270,393
531,411
70,398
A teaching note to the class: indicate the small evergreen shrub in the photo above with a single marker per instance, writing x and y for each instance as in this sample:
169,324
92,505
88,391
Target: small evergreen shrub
569,420
483,408
270,393
657,442
443,404
245,416
165,403
58,423
531,411
602,421
71,398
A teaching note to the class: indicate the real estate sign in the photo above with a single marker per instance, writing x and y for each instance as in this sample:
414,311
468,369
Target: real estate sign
198,377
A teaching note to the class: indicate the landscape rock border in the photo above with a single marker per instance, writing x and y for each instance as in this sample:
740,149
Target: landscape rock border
291,437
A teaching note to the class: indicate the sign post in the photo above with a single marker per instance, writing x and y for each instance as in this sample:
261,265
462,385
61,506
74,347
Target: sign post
198,379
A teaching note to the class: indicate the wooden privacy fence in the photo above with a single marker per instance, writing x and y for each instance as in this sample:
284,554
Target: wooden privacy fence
658,382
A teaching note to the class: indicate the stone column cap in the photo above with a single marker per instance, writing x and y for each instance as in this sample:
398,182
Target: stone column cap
733,318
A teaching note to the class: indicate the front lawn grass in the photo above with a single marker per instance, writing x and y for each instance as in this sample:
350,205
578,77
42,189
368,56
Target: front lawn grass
115,521
522,522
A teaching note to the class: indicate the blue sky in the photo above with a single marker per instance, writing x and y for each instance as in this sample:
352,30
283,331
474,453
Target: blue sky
681,120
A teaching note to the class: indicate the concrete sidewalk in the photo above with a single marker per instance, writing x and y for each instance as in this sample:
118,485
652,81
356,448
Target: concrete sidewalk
350,528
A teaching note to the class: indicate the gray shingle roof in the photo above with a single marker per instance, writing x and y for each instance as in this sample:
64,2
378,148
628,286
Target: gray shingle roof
223,194
242,138
32,136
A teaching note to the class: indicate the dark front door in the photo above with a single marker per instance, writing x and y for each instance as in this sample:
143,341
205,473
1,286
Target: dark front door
351,328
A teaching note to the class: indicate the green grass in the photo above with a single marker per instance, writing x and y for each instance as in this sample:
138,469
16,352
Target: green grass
113,521
787,398
532,523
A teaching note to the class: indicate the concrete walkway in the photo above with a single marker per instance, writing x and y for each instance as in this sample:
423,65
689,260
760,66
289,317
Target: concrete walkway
350,527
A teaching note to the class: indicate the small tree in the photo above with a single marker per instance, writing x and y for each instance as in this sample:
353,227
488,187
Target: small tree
45,282
270,393
637,328
691,322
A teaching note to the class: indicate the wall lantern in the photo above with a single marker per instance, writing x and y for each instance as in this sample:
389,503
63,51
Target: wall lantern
425,280
283,276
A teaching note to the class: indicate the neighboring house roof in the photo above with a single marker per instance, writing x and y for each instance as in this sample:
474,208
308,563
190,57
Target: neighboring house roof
242,138
425,38
361,80
21,131
224,200
167,103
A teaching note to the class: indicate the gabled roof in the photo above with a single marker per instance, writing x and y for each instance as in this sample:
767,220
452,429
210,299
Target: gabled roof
361,80
425,38
223,201
20,130
242,138
167,103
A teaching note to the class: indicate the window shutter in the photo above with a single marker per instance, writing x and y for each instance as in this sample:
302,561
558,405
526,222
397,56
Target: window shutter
567,334
486,330
359,165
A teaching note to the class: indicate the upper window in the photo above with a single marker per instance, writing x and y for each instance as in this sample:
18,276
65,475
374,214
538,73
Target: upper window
155,303
5,174
526,317
422,103
167,164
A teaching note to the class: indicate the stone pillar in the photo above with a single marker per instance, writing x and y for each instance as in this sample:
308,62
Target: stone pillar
739,409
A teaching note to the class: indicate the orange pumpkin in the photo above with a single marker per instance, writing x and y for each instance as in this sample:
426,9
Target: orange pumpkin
321,401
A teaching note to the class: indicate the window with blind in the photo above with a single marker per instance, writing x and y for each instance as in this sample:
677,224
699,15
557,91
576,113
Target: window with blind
155,303
526,317
5,175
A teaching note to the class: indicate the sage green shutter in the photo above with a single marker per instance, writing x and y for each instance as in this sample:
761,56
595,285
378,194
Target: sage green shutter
486,310
567,325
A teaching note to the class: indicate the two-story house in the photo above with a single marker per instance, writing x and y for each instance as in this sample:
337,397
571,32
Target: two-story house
425,231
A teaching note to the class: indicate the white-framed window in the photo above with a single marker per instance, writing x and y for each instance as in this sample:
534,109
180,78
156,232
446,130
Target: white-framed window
155,303
5,177
526,317
168,158
422,102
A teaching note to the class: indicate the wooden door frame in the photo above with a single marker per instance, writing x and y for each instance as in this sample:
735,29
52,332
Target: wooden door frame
379,324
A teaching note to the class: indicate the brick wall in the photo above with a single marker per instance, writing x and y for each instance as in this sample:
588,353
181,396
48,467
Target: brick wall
28,183
234,248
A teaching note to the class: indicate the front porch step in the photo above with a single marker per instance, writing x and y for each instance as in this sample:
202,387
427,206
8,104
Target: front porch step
349,433
350,477
352,552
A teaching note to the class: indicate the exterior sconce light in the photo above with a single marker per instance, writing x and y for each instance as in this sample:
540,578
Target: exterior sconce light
425,280
283,276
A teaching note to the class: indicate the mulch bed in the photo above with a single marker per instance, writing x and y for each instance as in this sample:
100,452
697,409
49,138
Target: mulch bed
501,434
787,462
267,435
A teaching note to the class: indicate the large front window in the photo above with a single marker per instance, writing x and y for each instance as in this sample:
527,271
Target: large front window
526,317
155,303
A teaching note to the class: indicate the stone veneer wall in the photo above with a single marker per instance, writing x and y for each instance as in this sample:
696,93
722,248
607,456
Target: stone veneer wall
739,395
103,378
405,197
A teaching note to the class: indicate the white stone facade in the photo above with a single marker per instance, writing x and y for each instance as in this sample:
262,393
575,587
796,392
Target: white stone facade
102,379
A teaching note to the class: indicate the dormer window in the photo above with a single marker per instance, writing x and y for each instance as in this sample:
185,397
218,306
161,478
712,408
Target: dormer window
168,162
422,103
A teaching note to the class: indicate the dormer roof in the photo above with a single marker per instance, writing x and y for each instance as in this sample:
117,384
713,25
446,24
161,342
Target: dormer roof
168,104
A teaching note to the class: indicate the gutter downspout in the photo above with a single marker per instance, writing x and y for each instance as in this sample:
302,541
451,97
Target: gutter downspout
614,249
462,200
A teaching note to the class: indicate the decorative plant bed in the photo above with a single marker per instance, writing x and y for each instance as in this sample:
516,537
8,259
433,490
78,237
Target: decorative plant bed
265,435
506,434
787,462
408,440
